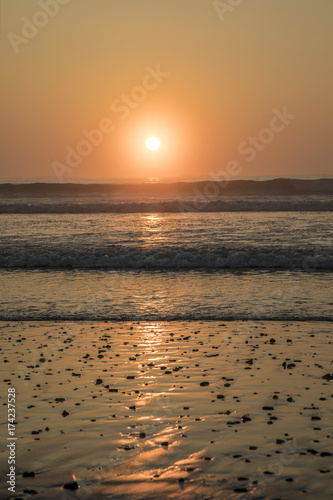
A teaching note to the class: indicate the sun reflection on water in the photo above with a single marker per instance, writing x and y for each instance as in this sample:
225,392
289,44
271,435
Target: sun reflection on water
152,226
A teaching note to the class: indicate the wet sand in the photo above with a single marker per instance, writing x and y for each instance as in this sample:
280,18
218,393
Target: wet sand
188,410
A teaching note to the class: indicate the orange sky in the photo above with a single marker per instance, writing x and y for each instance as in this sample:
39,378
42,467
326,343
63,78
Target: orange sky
244,89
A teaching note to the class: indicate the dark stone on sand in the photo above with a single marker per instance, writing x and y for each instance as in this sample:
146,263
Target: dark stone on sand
142,435
59,400
272,341
267,408
220,396
204,384
289,479
290,400
313,452
99,381
165,443
328,376
240,490
65,413
28,474
326,454
130,377
71,486
280,441
315,417
246,418
113,390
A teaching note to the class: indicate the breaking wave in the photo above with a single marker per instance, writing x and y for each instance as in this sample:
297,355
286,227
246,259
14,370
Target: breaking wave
184,207
119,257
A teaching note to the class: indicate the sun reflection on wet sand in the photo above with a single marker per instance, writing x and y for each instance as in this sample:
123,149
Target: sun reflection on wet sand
175,408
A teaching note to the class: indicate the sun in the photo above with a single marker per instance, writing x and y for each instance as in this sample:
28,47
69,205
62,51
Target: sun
153,143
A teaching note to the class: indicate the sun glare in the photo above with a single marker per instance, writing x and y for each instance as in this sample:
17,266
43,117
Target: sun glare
153,143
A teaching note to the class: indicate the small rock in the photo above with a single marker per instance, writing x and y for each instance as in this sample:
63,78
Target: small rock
326,454
71,486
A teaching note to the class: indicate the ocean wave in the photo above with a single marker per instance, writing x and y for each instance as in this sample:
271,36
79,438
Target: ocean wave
178,206
179,258
215,185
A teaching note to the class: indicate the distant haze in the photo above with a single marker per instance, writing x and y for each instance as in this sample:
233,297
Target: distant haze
230,91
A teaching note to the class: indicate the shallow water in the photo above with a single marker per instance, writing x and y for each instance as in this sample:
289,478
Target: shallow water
162,295
166,266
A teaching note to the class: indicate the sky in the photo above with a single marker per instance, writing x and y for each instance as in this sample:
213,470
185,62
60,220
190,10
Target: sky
230,88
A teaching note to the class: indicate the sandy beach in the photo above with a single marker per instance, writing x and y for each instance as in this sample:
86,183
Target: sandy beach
189,410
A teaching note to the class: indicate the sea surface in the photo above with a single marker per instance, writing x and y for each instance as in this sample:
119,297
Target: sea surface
205,250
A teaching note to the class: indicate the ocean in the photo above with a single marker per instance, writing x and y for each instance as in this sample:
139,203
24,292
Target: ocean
167,337
196,250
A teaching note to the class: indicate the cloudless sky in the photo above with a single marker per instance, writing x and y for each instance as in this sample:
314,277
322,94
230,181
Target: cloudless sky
202,76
